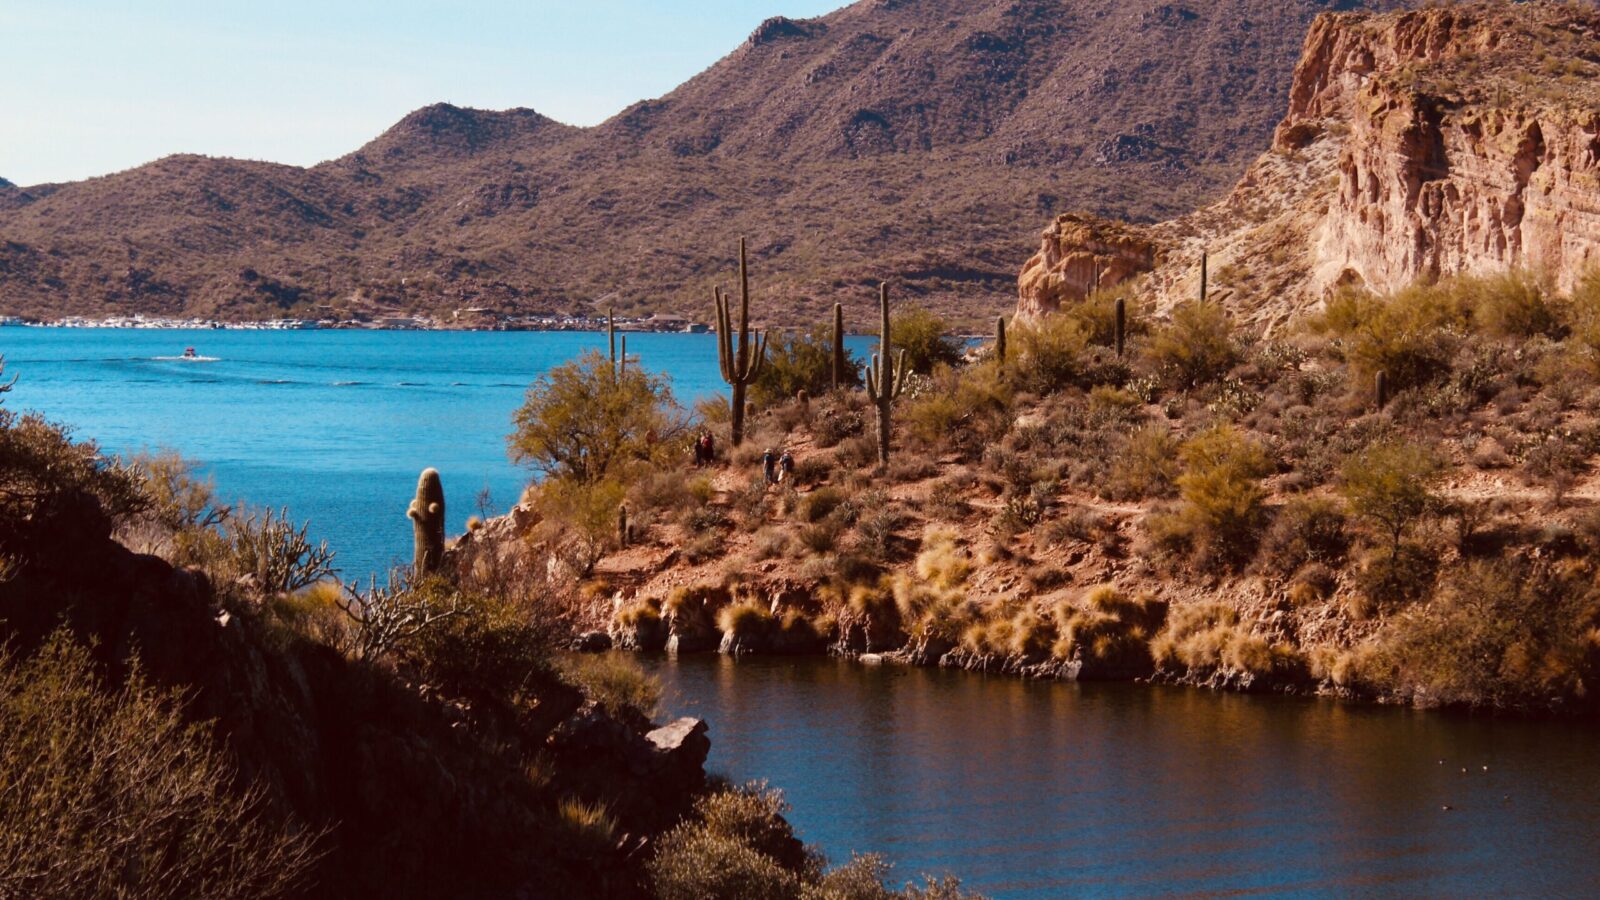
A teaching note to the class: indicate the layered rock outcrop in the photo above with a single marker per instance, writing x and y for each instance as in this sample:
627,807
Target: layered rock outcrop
1418,145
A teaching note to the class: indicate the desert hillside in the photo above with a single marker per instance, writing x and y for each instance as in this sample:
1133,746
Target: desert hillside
921,141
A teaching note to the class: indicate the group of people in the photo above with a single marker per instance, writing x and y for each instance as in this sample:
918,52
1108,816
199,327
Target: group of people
778,467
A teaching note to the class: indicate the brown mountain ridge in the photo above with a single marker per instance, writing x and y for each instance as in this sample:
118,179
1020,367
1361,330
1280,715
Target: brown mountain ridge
917,140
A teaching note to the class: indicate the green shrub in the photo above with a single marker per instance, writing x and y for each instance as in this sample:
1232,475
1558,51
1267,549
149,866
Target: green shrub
963,409
1390,484
1146,466
1049,354
801,362
1511,305
279,557
1389,578
1502,633
1220,516
109,793
584,423
1410,336
925,339
1196,347
820,503
54,492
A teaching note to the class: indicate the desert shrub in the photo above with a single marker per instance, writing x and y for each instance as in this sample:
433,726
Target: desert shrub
1221,512
875,532
737,845
1196,347
587,830
614,681
1389,578
704,547
820,503
1390,484
812,469
55,492
1108,628
1306,530
392,614
1501,633
770,544
926,341
1146,466
1557,461
962,408
838,416
108,792
179,498
1510,305
1411,336
580,518
801,362
279,557
1049,354
856,452
746,618
1096,314
582,421
1209,637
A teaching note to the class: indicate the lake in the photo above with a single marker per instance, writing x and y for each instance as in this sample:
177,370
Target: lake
1025,790
1036,790
333,425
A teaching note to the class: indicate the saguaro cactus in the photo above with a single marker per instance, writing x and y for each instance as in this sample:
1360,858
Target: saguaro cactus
886,377
1121,333
1205,265
1000,339
838,346
619,364
622,526
740,365
427,523
1381,388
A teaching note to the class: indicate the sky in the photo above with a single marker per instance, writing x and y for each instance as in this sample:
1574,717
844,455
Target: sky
89,87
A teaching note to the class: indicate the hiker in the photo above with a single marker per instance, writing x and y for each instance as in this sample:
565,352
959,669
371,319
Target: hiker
769,466
785,467
700,450
709,445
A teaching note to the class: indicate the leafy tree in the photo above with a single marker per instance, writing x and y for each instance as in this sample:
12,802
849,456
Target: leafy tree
584,421
1222,496
1197,346
800,362
1390,484
925,339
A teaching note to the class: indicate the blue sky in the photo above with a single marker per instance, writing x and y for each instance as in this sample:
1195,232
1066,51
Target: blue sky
89,87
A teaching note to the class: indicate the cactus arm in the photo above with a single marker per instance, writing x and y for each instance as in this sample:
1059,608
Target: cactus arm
900,375
872,379
759,361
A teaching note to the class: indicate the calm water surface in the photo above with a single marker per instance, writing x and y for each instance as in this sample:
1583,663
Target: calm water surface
1025,790
335,425
1051,790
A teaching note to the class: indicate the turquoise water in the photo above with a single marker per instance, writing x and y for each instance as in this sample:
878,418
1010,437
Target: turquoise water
335,425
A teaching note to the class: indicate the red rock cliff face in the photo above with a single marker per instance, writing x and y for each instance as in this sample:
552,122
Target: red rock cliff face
1434,182
1461,140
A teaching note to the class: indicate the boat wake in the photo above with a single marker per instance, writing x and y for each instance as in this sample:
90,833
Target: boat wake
187,358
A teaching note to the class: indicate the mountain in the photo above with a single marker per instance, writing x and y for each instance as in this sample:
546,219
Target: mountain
1462,139
910,140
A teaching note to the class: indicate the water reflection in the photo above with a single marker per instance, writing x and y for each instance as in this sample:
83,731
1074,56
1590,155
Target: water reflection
1044,790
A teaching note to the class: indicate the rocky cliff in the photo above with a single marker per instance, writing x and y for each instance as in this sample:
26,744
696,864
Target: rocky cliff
1461,139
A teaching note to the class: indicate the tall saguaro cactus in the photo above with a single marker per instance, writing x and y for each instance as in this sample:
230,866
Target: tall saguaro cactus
1205,274
1000,339
1120,337
740,364
427,523
619,364
838,346
886,377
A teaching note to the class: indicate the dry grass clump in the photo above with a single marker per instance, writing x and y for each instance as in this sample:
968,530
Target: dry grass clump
1108,628
747,618
109,793
614,681
1209,637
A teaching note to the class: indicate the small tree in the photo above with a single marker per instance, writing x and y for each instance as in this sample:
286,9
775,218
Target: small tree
1390,484
1197,346
801,362
924,338
582,420
1222,493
